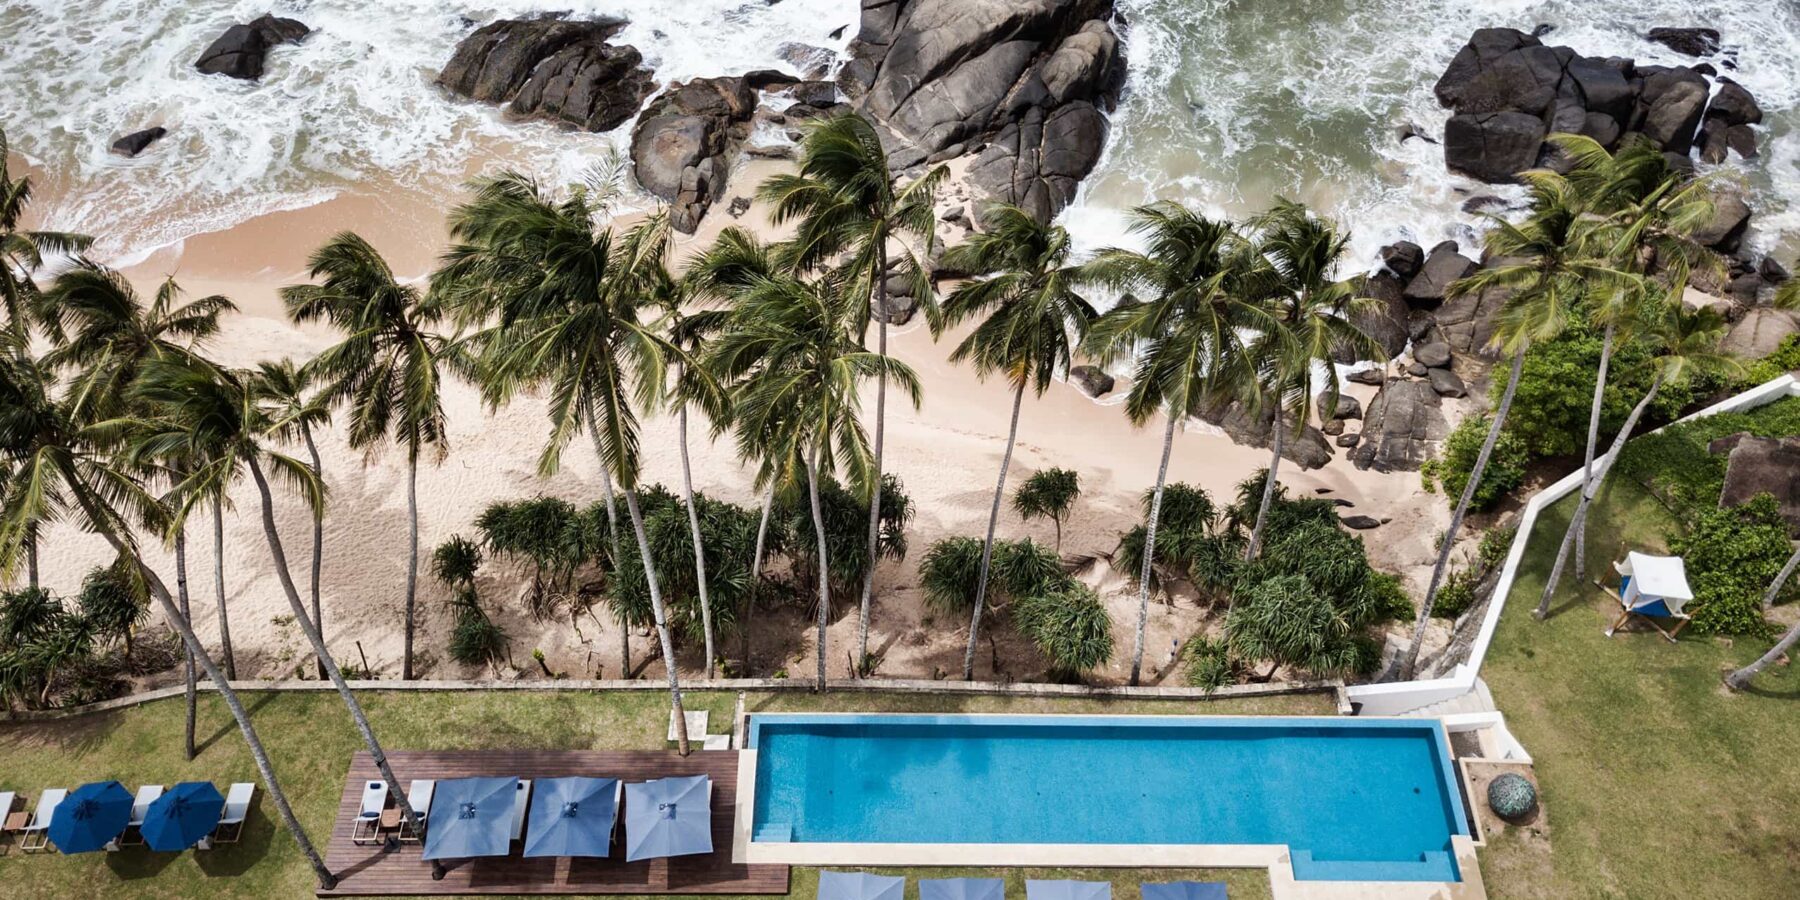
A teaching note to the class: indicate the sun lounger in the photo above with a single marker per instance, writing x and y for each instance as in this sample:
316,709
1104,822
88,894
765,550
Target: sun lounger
418,795
231,821
37,834
140,806
7,800
366,828
521,802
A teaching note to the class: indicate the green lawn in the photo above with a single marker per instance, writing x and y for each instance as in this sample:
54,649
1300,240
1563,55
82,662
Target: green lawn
310,739
1656,781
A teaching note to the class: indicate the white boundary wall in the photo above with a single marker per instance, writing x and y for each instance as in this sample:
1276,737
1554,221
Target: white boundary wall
1394,699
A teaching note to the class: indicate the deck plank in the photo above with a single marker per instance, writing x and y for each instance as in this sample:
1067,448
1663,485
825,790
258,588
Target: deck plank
372,870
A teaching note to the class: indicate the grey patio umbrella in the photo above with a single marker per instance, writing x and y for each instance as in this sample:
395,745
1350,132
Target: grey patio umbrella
860,886
668,817
1067,890
470,817
1185,890
962,889
572,817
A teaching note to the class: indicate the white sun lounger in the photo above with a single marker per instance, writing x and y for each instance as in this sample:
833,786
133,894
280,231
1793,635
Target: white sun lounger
367,825
418,795
37,833
140,807
231,820
521,802
7,799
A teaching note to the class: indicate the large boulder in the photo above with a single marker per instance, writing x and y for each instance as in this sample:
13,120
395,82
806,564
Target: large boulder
1468,322
1445,266
1731,217
1758,465
553,69
1092,380
1674,102
683,140
1386,323
1688,41
138,141
1022,82
1310,450
1493,147
242,49
1760,332
1403,428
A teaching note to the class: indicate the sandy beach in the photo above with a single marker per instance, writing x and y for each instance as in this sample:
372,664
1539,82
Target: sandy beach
947,453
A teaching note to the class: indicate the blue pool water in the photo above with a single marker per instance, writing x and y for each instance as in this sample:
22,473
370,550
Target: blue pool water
1354,799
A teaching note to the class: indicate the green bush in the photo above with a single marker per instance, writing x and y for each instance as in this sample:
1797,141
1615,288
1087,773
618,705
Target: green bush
1785,359
1285,622
1675,467
1455,595
1555,398
1210,664
950,571
1733,555
1069,626
1505,469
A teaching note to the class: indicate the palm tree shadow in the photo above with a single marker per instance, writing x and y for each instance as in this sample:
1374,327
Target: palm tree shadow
231,727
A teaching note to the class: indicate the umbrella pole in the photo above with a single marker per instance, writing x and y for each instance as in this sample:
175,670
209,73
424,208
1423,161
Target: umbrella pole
438,871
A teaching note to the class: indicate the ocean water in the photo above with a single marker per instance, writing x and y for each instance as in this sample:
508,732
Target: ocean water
1231,102
1348,792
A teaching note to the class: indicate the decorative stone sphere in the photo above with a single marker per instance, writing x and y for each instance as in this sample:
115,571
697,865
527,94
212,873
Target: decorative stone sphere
1512,797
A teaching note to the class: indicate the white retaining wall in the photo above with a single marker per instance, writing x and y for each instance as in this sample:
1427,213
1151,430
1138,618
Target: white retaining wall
1397,698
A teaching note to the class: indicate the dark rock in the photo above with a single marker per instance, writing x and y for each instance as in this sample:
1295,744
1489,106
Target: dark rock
1687,41
1372,375
1447,384
1417,369
816,94
1039,162
1734,105
1485,203
1332,427
1674,114
1403,428
137,141
1092,380
808,60
1361,523
956,215
1349,441
739,206
552,69
765,79
1714,146
1731,216
681,145
1386,323
1435,355
1309,451
1602,88
1742,139
242,49
1471,71
1771,271
1468,321
1444,267
1347,407
1759,465
1403,258
897,307
1745,288
1602,128
1492,147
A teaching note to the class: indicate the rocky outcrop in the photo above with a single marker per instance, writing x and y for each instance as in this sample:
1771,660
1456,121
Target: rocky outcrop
1760,333
1092,380
1468,322
1403,428
1310,450
547,68
241,51
138,141
1021,82
1687,41
682,143
1758,465
1386,322
1509,91
1443,268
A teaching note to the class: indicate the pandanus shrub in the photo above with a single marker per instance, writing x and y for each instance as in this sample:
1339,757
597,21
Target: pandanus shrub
1070,627
845,513
951,567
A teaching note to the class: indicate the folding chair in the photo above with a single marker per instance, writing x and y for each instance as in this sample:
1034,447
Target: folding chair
231,821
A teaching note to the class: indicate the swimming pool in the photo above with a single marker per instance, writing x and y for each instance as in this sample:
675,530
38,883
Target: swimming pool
1352,799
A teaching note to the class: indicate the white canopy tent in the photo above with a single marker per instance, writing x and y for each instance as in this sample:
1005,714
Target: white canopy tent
1652,587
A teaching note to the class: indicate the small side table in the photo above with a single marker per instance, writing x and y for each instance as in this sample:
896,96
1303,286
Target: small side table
15,823
390,819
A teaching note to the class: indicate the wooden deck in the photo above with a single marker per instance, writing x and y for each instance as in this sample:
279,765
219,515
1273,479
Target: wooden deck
372,870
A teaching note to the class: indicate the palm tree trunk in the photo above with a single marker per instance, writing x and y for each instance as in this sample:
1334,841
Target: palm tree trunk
762,532
818,517
662,621
31,557
1588,491
221,683
1156,498
987,548
188,694
877,302
1740,679
412,563
1787,571
1593,441
1411,661
318,545
218,510
1269,482
279,555
687,496
612,534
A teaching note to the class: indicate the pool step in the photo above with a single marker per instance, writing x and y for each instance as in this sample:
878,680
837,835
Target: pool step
773,833
1433,865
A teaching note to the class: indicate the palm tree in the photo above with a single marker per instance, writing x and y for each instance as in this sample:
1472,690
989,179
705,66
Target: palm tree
57,454
851,208
1548,276
300,408
1186,342
201,412
1740,679
387,369
1031,320
22,252
1313,316
1048,494
567,309
1683,340
791,349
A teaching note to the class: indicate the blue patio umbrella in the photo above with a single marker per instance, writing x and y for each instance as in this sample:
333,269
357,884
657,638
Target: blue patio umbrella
860,886
90,816
668,817
1067,890
471,817
1185,890
181,817
962,889
572,817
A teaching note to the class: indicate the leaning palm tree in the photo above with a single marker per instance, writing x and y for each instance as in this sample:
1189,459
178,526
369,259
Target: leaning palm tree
1548,276
198,411
1186,342
564,308
299,409
23,252
1740,679
387,370
1682,342
75,481
1031,320
852,211
791,350
1313,319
